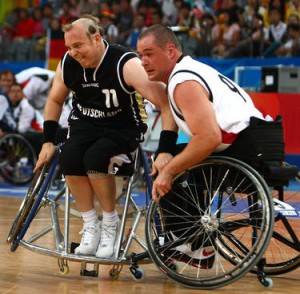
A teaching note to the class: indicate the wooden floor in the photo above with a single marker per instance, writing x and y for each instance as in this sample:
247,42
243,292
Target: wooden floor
28,272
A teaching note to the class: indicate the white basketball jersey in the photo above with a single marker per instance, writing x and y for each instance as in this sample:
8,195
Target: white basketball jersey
232,105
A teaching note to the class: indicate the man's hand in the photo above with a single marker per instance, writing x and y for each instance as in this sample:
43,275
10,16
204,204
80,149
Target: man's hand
160,162
45,155
161,186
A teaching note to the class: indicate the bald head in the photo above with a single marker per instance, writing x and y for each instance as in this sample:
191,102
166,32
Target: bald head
88,22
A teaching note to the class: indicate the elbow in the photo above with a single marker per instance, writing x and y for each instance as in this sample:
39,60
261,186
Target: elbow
216,139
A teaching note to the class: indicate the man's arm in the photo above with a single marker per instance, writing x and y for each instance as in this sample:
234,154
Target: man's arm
154,92
58,94
136,77
192,99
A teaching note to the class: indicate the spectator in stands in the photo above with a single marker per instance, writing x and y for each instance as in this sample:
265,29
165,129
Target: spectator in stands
252,8
280,5
292,7
205,41
88,6
138,27
22,48
111,32
7,122
7,78
74,8
254,45
55,28
39,34
23,112
143,8
276,33
291,46
38,30
293,19
48,14
125,22
156,16
189,29
65,15
170,12
225,33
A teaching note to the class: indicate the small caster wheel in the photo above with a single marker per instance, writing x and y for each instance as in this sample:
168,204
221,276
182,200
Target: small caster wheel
64,270
139,274
114,274
267,282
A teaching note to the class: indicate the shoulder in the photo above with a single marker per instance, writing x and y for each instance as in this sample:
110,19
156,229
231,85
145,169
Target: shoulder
3,100
121,51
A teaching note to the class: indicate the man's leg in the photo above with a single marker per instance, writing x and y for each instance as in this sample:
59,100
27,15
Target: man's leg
104,186
83,194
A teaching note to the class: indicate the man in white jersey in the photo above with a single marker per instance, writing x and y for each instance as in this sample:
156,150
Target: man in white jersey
209,108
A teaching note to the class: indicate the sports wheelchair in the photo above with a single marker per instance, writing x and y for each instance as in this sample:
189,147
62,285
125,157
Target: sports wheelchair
222,203
17,159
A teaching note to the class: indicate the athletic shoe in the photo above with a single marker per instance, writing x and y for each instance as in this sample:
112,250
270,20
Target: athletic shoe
109,233
202,258
90,240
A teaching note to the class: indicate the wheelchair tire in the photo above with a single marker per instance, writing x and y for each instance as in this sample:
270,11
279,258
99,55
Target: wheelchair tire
221,204
18,159
31,202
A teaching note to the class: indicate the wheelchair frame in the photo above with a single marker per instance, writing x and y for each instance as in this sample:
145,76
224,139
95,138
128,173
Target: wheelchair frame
221,223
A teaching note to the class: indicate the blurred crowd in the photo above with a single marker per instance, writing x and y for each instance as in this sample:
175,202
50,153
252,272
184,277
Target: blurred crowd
211,28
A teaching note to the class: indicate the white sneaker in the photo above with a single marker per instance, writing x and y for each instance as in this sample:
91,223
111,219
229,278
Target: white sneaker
90,240
109,232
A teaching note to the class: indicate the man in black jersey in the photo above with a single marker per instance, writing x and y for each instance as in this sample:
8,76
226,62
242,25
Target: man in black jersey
104,122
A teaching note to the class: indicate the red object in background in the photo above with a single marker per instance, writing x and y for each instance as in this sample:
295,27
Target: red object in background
288,106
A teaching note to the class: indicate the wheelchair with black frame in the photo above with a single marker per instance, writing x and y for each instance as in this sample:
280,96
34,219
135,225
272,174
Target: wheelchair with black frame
223,204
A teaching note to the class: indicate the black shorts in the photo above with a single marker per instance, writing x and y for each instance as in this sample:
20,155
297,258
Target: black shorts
90,147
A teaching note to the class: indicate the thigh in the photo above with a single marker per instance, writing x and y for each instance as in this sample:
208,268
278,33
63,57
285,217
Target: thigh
97,157
73,150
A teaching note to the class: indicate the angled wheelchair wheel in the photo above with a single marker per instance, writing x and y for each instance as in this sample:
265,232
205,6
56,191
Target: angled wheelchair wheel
18,159
213,226
283,252
31,202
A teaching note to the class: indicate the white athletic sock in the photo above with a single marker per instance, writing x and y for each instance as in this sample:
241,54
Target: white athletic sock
110,216
90,218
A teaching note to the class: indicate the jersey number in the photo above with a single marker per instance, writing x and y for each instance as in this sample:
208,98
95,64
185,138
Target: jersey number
110,96
231,86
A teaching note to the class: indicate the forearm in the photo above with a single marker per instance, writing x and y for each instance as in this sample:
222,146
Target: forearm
52,110
195,152
168,122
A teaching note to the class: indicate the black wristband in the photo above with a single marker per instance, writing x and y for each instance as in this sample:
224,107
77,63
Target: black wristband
167,142
50,129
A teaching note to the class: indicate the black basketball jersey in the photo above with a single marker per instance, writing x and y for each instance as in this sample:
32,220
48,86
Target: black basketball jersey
101,95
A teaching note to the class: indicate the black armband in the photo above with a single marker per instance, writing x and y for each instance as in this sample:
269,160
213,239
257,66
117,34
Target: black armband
50,129
167,142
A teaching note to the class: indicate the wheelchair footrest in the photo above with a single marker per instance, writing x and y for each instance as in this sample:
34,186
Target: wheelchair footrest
89,273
